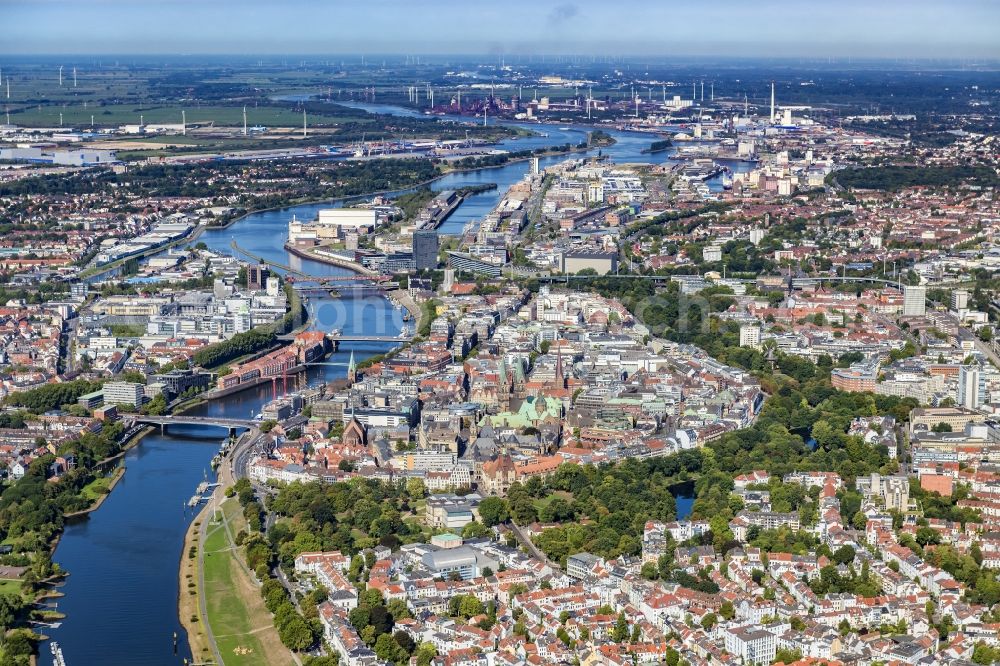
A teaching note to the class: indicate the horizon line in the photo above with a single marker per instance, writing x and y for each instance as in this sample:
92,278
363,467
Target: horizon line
594,58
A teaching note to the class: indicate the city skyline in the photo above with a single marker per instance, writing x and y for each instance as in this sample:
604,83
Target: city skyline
444,332
925,29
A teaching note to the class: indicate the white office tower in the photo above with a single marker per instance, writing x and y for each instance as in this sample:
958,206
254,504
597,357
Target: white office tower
449,280
595,193
535,170
756,236
914,301
221,290
959,300
971,386
750,335
273,286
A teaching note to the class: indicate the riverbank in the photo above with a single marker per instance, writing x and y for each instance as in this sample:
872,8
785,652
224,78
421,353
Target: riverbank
115,478
312,202
219,603
189,590
364,195
550,153
329,259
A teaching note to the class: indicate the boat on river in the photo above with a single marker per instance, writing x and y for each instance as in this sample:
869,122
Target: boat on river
57,654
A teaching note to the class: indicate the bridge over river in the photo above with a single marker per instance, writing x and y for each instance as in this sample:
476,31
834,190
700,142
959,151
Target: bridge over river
229,424
369,280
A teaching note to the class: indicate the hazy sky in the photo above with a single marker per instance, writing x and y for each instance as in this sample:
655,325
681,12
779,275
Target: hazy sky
860,28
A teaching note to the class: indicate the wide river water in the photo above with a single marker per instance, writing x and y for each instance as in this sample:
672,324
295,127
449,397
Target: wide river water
121,596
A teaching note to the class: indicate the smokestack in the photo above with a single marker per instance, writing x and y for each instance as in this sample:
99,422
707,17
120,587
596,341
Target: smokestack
772,101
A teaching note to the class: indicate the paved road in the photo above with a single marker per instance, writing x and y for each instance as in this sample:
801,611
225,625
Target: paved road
68,341
523,539
984,348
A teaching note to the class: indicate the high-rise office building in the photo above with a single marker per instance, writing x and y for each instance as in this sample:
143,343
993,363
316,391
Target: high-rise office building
750,335
914,301
425,249
971,386
959,299
257,275
449,280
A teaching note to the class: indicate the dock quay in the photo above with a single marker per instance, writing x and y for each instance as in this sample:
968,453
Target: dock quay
438,210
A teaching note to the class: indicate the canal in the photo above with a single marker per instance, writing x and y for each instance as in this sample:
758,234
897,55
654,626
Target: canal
121,595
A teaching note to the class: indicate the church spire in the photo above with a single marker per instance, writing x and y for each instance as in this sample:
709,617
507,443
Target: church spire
352,369
560,381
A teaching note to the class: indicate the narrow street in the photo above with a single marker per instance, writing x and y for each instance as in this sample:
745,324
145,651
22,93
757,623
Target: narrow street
523,539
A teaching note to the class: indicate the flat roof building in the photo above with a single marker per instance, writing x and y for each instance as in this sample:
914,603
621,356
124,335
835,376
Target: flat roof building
124,393
602,262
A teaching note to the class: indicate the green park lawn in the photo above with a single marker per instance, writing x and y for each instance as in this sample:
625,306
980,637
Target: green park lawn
545,501
242,626
10,586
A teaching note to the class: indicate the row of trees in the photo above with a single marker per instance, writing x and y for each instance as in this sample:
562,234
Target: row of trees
52,396
296,631
899,177
241,344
